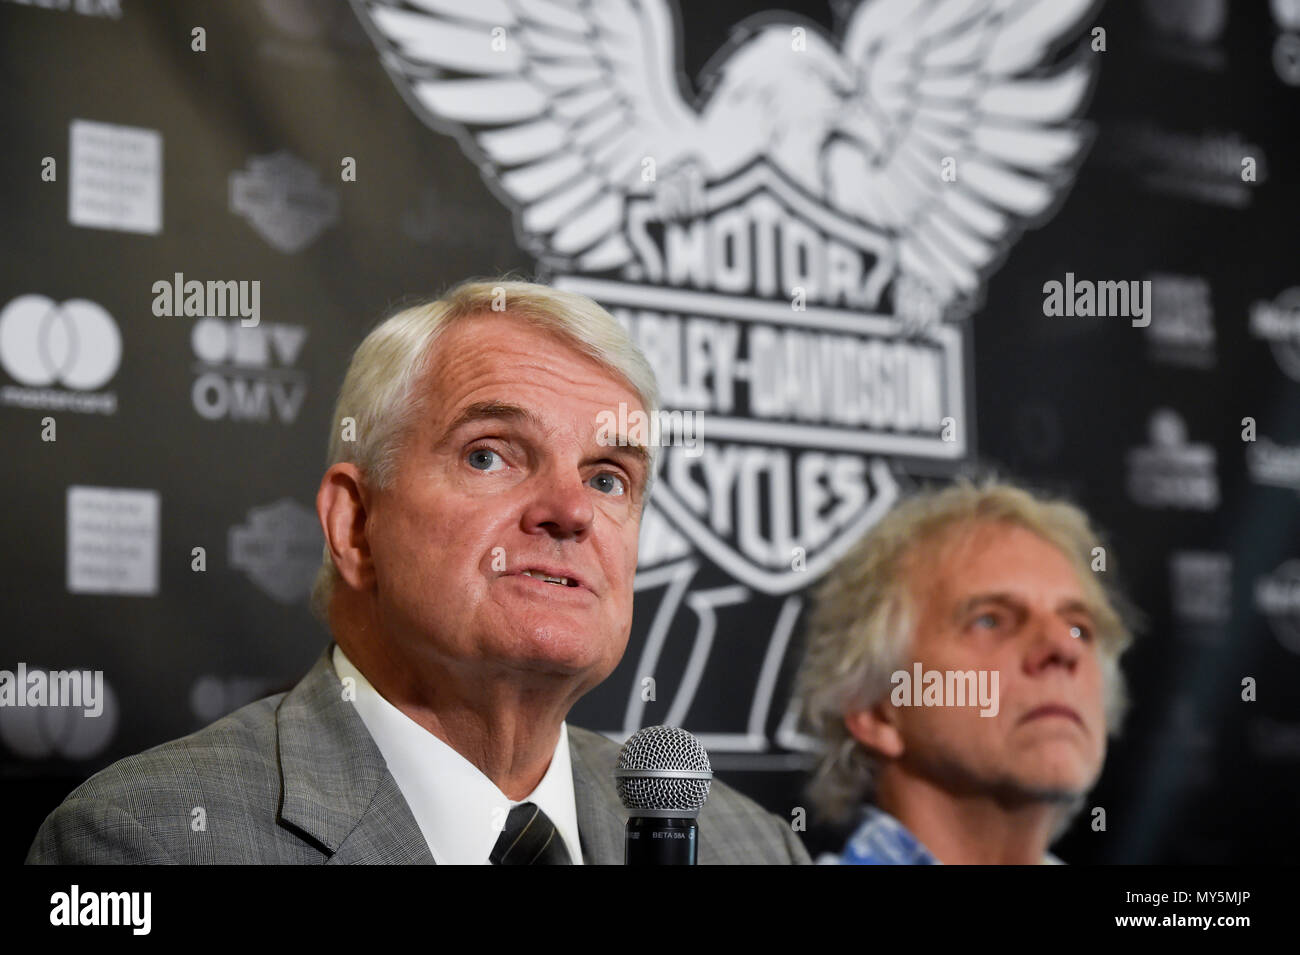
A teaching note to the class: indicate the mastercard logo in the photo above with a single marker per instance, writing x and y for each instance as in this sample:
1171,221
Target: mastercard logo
75,344
59,731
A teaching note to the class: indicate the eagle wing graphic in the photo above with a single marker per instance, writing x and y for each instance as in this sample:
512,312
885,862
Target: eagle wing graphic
950,80
558,103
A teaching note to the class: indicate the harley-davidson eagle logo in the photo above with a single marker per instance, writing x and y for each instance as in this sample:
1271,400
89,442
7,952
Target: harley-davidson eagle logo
796,249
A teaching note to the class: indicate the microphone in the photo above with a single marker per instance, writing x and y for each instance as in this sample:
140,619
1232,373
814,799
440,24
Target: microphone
663,778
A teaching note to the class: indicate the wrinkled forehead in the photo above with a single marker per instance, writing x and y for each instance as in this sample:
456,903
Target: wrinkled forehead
524,377
983,556
504,357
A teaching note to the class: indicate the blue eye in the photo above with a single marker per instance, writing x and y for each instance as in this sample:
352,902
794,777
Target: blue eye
618,487
993,620
1081,633
481,459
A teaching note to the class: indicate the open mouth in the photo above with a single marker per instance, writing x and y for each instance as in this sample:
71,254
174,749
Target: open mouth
558,581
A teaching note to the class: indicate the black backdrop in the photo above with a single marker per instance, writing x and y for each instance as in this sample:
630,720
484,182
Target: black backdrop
226,164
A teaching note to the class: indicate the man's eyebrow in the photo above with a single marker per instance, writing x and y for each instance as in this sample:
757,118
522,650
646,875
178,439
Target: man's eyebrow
1070,605
970,603
638,451
1074,605
506,411
493,410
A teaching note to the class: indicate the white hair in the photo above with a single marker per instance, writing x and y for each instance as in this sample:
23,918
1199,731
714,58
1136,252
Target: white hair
863,619
379,393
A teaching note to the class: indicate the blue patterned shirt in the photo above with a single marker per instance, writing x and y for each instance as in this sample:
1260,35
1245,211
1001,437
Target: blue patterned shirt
880,839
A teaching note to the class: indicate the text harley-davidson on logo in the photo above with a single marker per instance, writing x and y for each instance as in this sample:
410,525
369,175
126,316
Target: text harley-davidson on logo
793,246
797,395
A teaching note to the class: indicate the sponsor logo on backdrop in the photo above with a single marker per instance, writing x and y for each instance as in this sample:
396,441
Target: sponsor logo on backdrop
1274,464
1205,166
247,373
87,8
1172,472
1286,13
115,177
75,344
113,538
1188,30
278,548
1182,321
1278,323
284,200
1286,48
1200,587
212,697
59,718
797,251
1277,598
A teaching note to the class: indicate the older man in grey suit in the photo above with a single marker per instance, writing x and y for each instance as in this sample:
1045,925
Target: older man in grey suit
481,540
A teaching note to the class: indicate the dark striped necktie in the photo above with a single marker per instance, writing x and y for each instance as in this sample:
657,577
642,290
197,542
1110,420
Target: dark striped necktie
529,838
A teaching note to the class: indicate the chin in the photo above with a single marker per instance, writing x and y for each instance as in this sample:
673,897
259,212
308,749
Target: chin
1065,775
558,649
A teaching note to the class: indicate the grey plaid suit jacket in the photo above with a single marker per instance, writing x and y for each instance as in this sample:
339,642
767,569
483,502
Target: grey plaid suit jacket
297,778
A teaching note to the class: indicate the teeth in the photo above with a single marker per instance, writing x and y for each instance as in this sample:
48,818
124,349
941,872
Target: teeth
564,581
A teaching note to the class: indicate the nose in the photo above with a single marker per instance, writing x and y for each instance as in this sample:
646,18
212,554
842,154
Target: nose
559,504
1052,646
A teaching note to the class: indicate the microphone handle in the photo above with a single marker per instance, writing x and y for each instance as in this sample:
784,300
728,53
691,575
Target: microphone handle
653,840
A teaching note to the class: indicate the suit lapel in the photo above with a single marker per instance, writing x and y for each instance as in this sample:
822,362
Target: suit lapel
335,786
600,828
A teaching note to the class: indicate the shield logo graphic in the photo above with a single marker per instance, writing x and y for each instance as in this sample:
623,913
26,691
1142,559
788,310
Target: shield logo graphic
798,403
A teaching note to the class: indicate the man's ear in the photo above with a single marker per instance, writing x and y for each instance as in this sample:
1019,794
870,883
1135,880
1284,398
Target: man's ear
876,727
341,505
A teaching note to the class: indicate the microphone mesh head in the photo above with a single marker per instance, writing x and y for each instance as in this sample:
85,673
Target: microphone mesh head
664,749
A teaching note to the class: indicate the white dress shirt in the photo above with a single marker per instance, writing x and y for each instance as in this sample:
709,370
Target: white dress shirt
459,810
